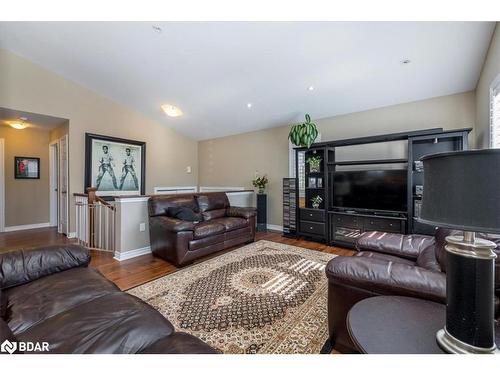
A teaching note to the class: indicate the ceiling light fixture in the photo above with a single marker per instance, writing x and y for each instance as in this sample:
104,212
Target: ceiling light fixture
311,88
249,105
157,28
171,110
405,61
18,125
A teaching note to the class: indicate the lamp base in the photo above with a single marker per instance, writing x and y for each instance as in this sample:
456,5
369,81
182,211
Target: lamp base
453,345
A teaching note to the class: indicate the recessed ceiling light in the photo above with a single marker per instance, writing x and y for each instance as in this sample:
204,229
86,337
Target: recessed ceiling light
311,88
405,61
249,105
18,125
157,28
171,110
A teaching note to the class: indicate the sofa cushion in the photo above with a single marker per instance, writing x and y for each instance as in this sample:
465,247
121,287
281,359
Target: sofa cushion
3,305
180,343
159,204
386,257
427,259
113,323
231,223
214,201
184,213
30,304
208,228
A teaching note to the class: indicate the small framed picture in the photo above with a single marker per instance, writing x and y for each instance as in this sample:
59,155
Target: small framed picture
319,182
26,168
312,182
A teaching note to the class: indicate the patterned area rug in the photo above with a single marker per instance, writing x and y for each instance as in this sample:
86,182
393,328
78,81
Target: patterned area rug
265,297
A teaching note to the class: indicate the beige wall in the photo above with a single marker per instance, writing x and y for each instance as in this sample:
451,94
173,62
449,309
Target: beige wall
233,160
59,132
491,69
28,87
26,201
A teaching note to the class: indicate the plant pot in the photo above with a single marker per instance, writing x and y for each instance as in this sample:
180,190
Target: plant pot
313,169
315,206
261,191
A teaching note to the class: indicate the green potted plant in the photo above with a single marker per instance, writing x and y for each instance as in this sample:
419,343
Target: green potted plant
314,163
316,201
303,135
260,183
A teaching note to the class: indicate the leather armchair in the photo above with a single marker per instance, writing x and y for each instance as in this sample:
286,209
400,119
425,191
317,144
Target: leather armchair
387,264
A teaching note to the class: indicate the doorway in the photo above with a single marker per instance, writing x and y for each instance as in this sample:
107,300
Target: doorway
58,175
2,185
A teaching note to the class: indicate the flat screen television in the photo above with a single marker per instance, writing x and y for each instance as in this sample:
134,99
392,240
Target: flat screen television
383,190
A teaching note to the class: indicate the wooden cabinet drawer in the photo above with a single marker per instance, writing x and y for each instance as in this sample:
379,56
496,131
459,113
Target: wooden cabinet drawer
312,227
346,221
312,215
383,225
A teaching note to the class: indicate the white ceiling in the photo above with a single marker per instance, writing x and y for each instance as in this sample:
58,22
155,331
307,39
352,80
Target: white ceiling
34,120
212,70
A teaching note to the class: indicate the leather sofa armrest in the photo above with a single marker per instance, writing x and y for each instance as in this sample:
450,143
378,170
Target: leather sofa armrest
173,225
23,266
179,343
244,212
402,245
387,278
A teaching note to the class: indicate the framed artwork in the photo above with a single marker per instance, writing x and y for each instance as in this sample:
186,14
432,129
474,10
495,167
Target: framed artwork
26,168
115,166
312,182
320,182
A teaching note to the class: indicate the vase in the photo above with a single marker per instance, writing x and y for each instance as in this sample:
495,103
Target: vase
313,169
315,205
261,191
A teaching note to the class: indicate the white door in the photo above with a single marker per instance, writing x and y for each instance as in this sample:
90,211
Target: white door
63,185
54,184
2,186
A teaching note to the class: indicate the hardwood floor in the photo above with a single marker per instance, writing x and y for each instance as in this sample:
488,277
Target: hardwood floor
133,272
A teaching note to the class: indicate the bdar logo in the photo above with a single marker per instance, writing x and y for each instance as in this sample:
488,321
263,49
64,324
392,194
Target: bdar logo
8,347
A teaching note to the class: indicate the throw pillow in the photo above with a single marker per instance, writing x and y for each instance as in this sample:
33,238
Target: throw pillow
184,213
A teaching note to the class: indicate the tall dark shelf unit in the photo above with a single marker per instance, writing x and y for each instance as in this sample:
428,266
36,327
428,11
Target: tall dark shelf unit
289,206
341,227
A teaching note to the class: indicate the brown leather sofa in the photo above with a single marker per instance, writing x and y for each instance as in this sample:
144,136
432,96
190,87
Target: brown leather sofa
181,242
49,295
388,264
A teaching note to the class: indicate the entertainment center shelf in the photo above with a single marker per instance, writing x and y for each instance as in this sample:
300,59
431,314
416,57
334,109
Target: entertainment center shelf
369,197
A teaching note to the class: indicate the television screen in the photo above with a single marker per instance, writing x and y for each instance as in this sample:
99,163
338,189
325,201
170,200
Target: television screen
374,190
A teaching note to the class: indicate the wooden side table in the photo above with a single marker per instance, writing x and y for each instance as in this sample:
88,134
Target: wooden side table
396,325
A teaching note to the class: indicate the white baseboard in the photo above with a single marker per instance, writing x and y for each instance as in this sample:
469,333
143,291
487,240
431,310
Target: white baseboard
132,253
26,227
278,228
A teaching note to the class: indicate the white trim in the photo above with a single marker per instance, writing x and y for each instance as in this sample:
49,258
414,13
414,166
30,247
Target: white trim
26,226
121,256
131,199
2,185
239,192
175,189
278,228
206,189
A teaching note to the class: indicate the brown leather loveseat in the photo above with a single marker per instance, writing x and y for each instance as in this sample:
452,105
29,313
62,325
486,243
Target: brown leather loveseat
389,264
49,295
217,226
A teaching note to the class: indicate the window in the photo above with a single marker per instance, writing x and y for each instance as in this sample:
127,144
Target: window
495,113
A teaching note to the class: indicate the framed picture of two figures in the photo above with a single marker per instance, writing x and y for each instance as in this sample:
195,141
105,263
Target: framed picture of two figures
115,166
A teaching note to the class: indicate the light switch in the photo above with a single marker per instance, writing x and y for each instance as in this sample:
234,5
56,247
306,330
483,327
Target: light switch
188,169
142,227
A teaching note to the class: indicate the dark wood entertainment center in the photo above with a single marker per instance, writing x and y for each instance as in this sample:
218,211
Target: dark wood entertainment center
341,226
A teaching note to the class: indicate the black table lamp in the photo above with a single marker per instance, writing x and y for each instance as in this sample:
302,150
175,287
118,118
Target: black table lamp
462,191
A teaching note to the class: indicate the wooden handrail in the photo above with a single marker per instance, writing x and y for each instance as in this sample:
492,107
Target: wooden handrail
93,198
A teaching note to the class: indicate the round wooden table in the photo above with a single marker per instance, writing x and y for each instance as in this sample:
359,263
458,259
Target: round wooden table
396,325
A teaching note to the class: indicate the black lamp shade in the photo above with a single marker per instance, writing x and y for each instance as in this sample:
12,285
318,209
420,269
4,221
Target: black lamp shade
462,190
